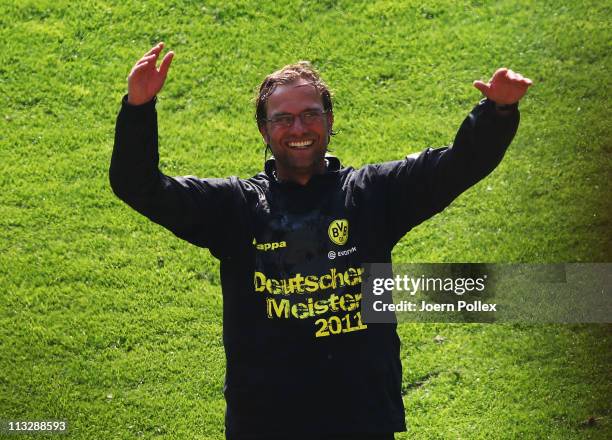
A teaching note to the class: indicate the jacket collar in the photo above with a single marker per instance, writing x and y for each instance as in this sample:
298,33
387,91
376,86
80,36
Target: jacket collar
333,166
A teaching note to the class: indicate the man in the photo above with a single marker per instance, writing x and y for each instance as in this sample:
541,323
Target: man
301,363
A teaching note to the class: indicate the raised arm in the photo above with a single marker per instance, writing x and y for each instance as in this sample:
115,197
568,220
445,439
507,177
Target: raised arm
482,139
194,209
428,182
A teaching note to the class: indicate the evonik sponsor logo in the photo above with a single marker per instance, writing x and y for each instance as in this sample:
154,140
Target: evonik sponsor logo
332,255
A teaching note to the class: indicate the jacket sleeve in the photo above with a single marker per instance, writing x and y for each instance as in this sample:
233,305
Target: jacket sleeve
200,211
422,185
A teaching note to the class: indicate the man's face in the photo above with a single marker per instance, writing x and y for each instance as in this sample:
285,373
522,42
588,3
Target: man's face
299,149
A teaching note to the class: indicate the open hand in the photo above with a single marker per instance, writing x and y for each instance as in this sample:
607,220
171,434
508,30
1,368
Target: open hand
505,87
145,81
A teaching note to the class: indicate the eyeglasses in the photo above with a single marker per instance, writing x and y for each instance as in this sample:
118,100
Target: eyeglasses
308,117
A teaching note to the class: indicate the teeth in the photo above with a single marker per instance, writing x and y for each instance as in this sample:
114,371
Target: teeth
300,144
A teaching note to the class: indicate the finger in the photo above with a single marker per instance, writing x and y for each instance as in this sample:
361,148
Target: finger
146,59
155,49
481,86
139,68
527,81
500,72
165,64
155,52
511,75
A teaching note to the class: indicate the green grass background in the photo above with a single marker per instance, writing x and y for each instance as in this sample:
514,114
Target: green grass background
110,322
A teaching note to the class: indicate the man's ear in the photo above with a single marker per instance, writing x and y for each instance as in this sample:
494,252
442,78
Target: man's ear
264,133
330,121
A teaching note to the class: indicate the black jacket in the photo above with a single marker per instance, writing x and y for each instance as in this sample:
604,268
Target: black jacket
299,357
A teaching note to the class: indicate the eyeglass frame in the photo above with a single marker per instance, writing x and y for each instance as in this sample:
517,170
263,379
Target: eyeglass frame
276,123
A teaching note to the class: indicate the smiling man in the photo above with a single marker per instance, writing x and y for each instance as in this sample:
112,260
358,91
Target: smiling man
301,363
295,122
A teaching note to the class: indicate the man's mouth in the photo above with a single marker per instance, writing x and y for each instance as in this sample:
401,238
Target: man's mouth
300,144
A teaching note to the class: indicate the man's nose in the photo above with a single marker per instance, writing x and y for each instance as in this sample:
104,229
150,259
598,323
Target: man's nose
297,126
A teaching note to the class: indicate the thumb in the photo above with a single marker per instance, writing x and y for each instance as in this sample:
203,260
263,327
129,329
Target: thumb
481,86
165,64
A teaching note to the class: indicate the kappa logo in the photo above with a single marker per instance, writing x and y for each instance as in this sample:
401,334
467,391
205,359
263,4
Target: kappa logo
269,246
338,231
